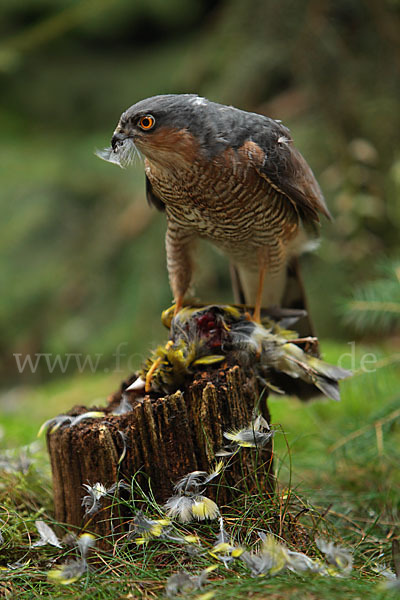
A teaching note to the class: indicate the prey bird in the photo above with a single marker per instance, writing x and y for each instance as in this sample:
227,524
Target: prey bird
218,335
231,177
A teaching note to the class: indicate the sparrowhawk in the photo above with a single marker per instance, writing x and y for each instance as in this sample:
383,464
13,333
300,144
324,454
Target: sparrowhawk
231,177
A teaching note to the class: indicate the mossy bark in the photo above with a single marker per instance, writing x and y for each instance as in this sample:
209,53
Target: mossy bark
161,439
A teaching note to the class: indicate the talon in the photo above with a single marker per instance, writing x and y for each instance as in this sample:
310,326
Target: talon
303,340
149,374
167,316
154,367
178,305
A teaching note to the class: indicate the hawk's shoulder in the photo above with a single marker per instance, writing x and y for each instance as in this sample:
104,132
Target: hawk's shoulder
277,160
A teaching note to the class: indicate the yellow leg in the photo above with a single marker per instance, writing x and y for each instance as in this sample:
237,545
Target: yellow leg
149,374
154,367
178,304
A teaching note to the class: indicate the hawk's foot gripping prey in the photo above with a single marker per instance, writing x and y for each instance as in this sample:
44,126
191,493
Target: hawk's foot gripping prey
215,335
231,177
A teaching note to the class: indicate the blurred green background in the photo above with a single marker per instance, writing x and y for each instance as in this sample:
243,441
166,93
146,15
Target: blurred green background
82,262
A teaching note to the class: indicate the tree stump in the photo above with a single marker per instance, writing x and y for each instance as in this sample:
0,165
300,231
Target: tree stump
160,440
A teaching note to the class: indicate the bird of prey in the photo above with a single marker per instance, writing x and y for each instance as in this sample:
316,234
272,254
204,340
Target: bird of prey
231,177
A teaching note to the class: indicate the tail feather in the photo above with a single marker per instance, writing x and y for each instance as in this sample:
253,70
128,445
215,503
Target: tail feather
328,387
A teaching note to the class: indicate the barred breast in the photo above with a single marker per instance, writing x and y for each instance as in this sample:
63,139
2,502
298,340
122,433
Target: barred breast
228,204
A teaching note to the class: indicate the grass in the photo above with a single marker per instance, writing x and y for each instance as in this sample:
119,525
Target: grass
338,477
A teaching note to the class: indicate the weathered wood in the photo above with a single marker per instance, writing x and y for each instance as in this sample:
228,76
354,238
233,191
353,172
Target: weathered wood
165,438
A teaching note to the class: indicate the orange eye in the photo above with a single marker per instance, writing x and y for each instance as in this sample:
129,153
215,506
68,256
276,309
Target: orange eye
147,122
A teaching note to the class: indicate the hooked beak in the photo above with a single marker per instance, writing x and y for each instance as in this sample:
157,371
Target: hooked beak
117,139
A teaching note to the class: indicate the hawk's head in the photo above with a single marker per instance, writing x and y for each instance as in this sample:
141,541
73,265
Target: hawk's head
161,128
176,126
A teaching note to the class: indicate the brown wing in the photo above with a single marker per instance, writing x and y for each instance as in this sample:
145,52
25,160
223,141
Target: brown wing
286,170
